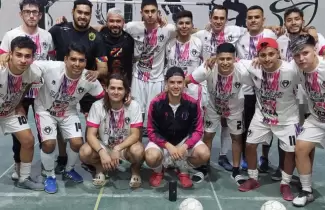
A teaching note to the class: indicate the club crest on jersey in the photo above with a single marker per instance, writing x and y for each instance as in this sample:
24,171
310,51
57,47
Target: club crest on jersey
237,85
230,38
127,120
92,36
47,130
285,83
53,82
161,38
45,45
194,52
185,115
208,124
81,90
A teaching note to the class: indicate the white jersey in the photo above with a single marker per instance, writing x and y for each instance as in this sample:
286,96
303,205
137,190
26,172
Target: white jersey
184,55
284,43
149,50
276,95
114,127
211,41
60,95
12,88
225,91
41,38
314,86
247,49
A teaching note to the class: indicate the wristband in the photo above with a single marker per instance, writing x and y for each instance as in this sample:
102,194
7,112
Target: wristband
99,150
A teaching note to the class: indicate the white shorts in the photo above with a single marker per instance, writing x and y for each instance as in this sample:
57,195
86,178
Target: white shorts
144,92
301,95
198,92
69,126
212,121
313,131
164,152
13,124
260,132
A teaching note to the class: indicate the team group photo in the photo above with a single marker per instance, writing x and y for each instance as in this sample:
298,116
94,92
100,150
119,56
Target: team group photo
150,96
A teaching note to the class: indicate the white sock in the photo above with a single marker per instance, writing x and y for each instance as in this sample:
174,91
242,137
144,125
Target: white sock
72,158
157,169
48,163
305,182
286,178
253,174
182,166
225,140
25,169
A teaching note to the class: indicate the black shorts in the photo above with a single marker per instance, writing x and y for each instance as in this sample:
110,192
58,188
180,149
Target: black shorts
86,102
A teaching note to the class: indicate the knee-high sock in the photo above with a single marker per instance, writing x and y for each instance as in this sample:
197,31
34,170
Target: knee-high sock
48,163
72,159
225,141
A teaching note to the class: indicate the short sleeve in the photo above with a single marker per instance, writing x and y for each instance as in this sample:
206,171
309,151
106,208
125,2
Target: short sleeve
5,44
171,30
94,115
136,119
97,90
199,75
54,34
242,31
100,52
243,68
45,66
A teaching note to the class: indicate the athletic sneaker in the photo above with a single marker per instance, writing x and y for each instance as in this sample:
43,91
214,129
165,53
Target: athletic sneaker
286,192
15,174
277,175
303,198
263,165
59,168
28,183
72,175
51,186
250,184
91,169
156,178
239,179
185,180
224,162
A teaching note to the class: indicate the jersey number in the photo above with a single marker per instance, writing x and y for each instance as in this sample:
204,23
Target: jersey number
22,120
292,140
239,125
78,126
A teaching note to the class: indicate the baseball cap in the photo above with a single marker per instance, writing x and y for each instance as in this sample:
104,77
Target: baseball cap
267,42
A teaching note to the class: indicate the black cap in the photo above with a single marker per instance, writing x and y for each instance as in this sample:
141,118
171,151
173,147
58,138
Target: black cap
174,71
148,2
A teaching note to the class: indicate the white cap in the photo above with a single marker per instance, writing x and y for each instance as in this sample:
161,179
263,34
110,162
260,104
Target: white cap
115,11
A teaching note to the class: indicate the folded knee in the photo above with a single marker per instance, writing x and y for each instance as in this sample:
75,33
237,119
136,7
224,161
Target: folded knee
153,157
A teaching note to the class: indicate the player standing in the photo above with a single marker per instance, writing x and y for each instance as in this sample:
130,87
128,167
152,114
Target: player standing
65,83
30,12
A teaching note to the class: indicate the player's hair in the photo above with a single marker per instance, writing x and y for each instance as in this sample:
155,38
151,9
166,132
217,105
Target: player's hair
226,48
174,71
298,43
256,7
30,2
183,14
149,2
293,10
77,48
117,76
219,7
82,2
23,42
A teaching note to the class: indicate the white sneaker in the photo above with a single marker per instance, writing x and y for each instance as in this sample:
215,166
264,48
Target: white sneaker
303,198
15,174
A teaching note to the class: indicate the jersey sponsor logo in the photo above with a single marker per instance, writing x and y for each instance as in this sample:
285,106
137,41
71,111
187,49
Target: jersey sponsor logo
116,52
91,36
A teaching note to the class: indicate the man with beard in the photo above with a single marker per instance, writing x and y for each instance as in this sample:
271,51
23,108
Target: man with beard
31,15
79,31
119,44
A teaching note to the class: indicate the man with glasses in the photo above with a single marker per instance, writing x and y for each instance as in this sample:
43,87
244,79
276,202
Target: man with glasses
31,15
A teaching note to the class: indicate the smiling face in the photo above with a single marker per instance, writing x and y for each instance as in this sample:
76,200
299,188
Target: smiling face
225,62
116,91
81,16
21,59
175,85
218,20
184,26
294,23
268,58
255,20
75,63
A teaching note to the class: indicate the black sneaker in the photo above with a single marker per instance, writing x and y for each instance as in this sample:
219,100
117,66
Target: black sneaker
224,162
303,198
199,173
59,168
263,165
277,175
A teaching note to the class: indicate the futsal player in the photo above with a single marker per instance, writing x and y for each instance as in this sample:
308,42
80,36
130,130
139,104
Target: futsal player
311,69
175,129
16,79
114,132
276,113
81,32
30,12
224,82
65,84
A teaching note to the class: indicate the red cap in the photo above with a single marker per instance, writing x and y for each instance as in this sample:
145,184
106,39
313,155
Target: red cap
267,42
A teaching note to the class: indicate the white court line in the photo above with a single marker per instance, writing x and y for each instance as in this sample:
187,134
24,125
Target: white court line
320,199
88,195
215,194
8,169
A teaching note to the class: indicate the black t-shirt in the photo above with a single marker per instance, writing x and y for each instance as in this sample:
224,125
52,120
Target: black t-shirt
119,51
64,34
